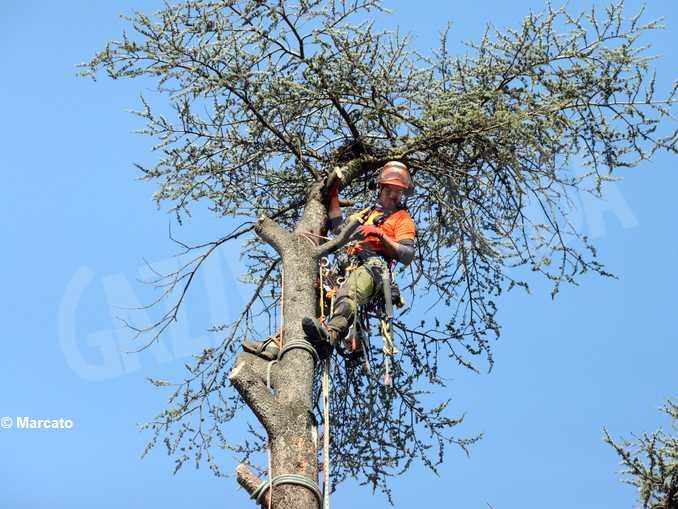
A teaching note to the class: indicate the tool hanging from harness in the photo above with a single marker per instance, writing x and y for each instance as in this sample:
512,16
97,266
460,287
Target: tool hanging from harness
381,306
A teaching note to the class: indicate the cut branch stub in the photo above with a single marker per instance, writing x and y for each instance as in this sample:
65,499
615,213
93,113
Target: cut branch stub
272,233
255,393
251,482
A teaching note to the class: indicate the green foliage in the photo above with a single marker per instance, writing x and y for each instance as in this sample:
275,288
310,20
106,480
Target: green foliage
268,98
651,464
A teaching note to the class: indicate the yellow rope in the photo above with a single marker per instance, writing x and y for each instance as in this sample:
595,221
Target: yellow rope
389,349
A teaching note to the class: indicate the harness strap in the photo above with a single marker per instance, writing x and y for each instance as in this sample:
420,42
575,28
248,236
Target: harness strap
382,219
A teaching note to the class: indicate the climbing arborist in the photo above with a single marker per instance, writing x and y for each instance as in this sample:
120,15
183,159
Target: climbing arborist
385,237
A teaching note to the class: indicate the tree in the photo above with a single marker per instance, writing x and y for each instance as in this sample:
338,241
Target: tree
273,100
651,464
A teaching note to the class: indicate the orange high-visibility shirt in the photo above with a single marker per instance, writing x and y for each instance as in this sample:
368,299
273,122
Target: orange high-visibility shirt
398,226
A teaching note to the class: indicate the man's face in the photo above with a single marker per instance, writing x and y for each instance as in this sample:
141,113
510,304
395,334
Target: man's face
390,196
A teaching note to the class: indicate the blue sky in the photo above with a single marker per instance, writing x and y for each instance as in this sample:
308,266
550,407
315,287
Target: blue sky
76,226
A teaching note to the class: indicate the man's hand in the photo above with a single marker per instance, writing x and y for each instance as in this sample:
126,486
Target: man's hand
370,229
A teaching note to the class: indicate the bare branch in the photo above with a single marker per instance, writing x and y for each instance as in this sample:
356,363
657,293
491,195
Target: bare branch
340,240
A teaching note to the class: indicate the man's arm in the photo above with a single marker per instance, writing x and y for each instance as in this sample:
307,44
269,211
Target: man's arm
334,209
402,250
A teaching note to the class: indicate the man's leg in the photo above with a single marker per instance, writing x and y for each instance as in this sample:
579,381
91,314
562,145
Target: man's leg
357,290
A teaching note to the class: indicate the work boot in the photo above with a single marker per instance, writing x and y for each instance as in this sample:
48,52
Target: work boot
267,349
321,337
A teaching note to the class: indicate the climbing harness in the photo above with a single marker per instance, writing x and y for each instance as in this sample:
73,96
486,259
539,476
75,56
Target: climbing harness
355,343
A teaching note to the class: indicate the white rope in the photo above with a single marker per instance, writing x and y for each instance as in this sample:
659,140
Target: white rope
268,382
268,373
326,433
270,462
323,270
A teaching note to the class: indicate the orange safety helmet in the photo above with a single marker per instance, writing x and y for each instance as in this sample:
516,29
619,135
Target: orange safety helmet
395,173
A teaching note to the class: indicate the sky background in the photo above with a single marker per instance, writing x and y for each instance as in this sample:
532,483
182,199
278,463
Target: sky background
76,225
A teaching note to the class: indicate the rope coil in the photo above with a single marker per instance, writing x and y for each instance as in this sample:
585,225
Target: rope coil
295,479
302,345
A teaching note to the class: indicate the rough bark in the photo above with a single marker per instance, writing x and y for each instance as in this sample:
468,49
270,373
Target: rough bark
285,411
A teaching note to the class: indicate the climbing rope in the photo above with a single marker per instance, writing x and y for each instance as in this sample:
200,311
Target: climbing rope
323,270
307,234
268,373
300,344
268,449
326,433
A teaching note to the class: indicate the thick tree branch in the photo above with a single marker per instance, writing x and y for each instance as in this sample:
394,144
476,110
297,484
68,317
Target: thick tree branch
255,393
250,482
260,367
271,232
358,167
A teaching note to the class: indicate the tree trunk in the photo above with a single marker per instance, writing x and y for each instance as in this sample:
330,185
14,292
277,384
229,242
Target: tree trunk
286,411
